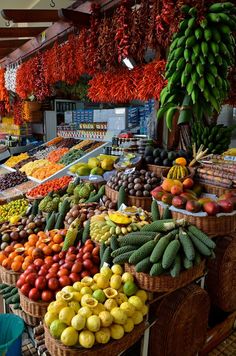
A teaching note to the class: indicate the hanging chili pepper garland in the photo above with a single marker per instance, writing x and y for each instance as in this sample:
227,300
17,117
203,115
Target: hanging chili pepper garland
4,97
17,111
92,56
123,35
80,50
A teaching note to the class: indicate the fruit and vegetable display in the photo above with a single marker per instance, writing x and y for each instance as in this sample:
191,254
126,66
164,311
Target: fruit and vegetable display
108,227
200,56
10,295
53,185
56,155
19,229
45,276
216,138
14,208
137,183
179,169
12,161
30,167
162,157
84,211
45,172
188,196
12,179
164,247
70,157
96,310
95,166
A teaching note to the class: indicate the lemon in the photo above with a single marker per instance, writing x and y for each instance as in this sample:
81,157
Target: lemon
121,298
86,290
69,336
117,269
142,295
68,289
93,323
78,322
103,336
128,308
98,309
119,316
106,318
115,281
110,304
106,272
129,325
66,314
78,286
74,305
77,296
102,281
136,301
130,288
85,311
49,318
137,317
144,310
117,331
87,281
56,328
127,277
99,295
86,339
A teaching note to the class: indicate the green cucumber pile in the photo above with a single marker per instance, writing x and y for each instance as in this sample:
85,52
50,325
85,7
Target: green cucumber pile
164,247
10,295
200,56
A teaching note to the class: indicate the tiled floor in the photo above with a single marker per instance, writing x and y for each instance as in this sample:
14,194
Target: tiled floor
226,348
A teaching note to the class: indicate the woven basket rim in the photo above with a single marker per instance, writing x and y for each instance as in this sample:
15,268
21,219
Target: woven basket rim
9,271
29,301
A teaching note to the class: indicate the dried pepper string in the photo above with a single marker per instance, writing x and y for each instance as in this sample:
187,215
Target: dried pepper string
92,56
4,97
123,35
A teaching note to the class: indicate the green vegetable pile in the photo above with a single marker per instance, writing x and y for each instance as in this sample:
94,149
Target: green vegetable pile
71,156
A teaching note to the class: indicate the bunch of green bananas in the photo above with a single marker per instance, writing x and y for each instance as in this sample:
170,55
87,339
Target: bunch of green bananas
199,58
216,138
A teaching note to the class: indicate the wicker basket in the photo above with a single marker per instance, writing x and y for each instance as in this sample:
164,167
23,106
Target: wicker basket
211,225
221,278
113,348
9,277
166,283
181,327
156,169
214,189
28,319
36,309
139,202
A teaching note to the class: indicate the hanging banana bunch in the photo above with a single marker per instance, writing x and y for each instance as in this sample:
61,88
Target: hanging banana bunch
200,56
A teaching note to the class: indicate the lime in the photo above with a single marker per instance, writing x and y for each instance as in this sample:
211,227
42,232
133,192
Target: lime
130,288
99,295
78,322
86,339
56,328
69,336
103,336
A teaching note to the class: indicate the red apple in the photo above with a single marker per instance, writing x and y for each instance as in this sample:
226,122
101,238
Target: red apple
176,190
25,289
53,284
41,283
74,277
31,278
47,295
211,208
34,294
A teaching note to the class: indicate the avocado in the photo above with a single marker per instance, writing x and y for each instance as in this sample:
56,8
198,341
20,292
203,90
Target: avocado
158,161
148,151
166,163
164,154
156,152
171,156
149,159
182,153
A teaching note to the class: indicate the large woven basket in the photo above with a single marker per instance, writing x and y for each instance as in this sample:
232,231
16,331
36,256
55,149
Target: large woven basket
211,225
221,278
113,348
215,189
140,202
36,309
166,283
9,277
28,319
181,327
156,169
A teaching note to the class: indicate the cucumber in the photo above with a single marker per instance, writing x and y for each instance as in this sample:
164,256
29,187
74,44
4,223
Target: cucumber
11,293
155,211
202,237
106,258
51,222
166,214
156,269
121,259
2,286
176,268
16,298
16,306
161,245
102,250
114,243
134,240
122,250
160,226
122,197
35,207
200,246
98,196
143,252
6,289
170,254
144,265
187,245
86,231
187,263
60,221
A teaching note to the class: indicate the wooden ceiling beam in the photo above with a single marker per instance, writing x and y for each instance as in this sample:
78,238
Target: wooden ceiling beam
5,51
22,16
11,43
18,32
81,19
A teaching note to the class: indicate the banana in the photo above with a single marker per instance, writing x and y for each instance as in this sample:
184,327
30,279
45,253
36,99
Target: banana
198,33
184,79
190,87
204,48
211,80
196,49
181,41
188,69
180,64
169,116
207,34
213,70
190,42
200,69
194,77
201,84
183,25
194,95
219,7
216,36
214,48
187,54
161,112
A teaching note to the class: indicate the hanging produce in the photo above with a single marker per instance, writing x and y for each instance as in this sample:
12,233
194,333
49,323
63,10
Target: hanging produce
200,56
106,43
166,22
92,58
4,97
123,35
10,77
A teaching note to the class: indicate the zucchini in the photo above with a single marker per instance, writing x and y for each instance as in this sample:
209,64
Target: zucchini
86,231
6,290
35,207
156,269
3,286
176,268
187,245
106,258
65,207
60,221
170,253
122,197
142,252
121,259
200,246
155,211
161,245
16,298
122,250
102,250
114,243
166,214
11,293
143,265
202,237
51,222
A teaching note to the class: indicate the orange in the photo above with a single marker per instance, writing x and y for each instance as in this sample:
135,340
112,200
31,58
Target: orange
25,265
56,248
42,245
2,258
19,259
12,254
18,246
9,249
57,238
16,266
30,250
52,233
42,234
32,239
47,250
28,259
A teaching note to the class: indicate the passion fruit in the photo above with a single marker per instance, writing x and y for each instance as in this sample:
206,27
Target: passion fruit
110,293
